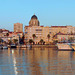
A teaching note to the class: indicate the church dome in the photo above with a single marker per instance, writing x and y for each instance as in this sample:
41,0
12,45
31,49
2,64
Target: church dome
34,17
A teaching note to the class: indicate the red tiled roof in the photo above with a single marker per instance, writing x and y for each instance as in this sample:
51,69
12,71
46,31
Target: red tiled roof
19,32
59,26
28,26
41,26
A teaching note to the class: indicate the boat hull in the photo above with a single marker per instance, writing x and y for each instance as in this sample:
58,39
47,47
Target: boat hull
5,47
13,46
64,47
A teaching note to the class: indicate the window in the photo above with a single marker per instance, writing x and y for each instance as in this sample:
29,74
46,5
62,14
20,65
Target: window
38,29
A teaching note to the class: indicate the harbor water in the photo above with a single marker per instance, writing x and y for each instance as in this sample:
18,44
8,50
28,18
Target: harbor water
37,61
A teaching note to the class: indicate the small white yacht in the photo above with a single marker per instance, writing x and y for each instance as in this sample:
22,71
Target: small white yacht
4,47
13,46
64,46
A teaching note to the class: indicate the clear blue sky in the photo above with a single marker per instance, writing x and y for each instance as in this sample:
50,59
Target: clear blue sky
49,12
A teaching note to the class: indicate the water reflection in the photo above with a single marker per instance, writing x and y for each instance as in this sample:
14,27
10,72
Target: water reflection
37,61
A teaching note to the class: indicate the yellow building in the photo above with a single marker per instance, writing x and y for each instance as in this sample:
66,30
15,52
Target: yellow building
42,32
18,27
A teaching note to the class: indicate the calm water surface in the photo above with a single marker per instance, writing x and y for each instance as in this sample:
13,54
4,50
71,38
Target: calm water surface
38,61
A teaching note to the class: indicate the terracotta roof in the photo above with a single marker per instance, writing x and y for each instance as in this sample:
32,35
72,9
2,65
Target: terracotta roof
59,26
19,32
41,26
28,26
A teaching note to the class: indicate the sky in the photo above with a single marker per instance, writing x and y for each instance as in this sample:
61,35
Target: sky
49,12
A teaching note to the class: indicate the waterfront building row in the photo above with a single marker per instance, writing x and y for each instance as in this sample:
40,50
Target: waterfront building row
38,32
42,32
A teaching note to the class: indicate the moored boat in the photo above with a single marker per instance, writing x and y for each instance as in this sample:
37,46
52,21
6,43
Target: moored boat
13,46
64,46
5,47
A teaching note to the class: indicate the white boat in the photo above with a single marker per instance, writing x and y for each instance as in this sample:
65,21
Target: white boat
64,46
4,47
13,46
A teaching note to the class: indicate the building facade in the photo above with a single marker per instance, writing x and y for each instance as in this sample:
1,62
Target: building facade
18,27
42,32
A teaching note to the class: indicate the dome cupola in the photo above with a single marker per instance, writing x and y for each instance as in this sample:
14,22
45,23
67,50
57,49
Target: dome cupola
34,21
34,17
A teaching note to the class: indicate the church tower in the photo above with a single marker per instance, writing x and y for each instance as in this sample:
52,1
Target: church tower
34,21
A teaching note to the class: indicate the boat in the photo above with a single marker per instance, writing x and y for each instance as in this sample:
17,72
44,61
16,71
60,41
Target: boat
13,46
4,47
64,46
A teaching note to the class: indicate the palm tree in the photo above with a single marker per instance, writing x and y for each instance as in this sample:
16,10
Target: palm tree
48,36
33,36
71,39
22,40
9,42
41,41
30,41
0,40
7,34
15,41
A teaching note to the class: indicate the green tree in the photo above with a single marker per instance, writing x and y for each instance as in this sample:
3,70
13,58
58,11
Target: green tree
71,39
0,40
48,36
7,34
22,40
30,41
55,41
34,36
15,41
9,42
41,41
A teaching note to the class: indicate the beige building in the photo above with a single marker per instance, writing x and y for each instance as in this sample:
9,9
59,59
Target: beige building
63,37
3,32
34,27
18,27
41,32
